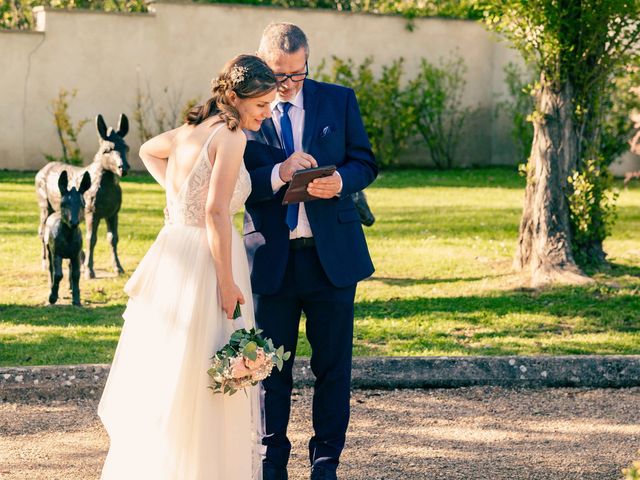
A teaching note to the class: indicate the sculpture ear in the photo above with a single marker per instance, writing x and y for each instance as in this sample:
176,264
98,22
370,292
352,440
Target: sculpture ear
123,125
101,127
63,181
86,183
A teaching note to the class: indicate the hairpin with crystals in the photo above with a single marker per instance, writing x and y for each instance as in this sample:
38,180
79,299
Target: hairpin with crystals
238,74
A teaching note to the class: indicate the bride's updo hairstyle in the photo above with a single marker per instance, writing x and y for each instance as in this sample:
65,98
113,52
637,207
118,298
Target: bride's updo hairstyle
245,75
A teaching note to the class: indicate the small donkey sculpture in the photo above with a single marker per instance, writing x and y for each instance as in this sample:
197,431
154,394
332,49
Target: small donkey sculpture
104,197
62,236
362,206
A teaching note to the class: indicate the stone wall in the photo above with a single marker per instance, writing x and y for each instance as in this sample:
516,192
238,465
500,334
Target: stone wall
173,52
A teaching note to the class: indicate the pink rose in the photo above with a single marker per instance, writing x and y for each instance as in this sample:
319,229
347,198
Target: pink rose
258,362
239,369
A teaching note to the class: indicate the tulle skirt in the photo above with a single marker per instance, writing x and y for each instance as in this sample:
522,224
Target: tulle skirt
162,420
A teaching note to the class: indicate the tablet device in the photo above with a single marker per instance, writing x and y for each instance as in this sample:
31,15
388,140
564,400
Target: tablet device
297,191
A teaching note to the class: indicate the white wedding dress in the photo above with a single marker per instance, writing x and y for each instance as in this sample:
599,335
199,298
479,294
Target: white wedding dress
162,420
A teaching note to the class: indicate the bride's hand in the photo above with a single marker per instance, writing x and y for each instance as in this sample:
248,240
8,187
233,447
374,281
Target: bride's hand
229,296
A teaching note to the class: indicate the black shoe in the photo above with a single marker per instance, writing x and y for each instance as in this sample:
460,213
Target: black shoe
272,473
323,474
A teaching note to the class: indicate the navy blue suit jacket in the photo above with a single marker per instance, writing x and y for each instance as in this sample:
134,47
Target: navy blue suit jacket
334,135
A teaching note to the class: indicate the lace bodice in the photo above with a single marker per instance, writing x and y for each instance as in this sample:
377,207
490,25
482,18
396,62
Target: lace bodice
188,206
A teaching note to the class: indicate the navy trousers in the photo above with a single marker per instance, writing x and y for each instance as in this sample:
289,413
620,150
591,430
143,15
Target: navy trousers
329,328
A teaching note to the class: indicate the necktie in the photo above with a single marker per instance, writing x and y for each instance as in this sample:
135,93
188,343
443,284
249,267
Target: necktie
287,139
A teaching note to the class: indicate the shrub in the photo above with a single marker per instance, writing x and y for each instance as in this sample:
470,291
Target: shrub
18,14
67,131
394,111
592,210
436,99
621,103
519,107
151,119
386,113
407,8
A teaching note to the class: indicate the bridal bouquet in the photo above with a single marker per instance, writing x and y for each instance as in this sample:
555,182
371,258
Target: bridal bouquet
245,360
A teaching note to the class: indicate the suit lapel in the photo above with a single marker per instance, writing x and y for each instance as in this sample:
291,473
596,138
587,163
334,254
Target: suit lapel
309,90
269,131
271,139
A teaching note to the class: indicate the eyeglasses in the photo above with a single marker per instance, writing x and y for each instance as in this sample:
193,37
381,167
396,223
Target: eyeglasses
294,77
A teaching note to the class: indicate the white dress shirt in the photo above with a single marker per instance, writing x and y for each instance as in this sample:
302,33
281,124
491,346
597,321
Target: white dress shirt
296,114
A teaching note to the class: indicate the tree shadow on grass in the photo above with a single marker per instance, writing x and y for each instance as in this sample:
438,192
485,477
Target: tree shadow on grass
613,269
61,315
406,282
590,301
459,222
562,320
487,177
21,232
68,348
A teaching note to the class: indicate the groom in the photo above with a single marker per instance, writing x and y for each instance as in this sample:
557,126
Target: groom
307,257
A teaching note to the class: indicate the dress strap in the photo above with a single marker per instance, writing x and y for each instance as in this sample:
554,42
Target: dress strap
205,147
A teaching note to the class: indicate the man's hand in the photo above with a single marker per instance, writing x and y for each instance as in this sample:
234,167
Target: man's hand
326,187
297,161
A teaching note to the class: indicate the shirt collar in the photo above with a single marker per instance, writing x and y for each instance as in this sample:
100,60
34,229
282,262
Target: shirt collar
298,102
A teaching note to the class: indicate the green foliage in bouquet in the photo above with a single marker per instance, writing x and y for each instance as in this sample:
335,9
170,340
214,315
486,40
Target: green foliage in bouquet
244,361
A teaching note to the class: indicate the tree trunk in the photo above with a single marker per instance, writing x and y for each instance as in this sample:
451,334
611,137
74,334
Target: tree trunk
544,244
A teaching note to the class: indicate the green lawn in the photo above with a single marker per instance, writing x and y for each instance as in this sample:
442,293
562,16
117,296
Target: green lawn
442,245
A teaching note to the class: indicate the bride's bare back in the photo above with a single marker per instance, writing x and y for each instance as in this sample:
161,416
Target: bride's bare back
187,146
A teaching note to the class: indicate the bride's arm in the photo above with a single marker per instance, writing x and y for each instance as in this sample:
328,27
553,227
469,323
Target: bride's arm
155,152
229,149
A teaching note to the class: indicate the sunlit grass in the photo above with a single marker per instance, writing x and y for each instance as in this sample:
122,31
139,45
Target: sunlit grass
443,245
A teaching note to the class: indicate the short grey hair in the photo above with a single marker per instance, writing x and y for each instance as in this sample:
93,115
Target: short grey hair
282,37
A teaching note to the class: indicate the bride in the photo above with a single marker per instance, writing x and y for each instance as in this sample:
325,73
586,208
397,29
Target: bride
162,420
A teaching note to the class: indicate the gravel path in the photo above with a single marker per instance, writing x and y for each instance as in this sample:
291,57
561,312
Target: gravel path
467,433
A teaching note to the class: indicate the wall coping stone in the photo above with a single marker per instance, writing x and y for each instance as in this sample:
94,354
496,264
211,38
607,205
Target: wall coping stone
67,382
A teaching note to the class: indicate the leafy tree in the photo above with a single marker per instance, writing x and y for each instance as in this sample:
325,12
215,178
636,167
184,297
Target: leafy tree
576,48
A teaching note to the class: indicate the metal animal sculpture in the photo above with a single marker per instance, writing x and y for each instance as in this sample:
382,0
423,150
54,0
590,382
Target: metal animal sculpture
634,144
631,176
366,215
62,237
103,199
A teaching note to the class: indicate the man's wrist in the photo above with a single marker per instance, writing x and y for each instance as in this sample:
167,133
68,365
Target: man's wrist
276,181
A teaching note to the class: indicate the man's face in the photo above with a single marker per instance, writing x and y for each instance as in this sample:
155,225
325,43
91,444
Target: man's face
288,63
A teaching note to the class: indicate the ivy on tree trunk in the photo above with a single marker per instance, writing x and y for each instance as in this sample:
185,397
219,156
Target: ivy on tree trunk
544,244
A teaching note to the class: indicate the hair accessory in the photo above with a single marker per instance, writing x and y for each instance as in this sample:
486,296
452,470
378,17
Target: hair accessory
237,74
216,83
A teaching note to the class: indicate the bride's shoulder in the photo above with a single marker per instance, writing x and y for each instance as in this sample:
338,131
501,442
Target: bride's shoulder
230,137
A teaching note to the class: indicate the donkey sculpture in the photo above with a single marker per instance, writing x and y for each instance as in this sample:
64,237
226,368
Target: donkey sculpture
104,197
366,215
634,144
62,237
